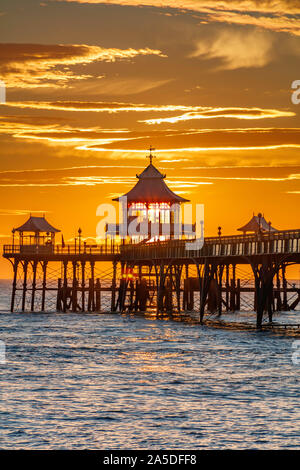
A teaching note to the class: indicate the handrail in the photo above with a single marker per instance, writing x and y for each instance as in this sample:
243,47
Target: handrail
102,249
287,241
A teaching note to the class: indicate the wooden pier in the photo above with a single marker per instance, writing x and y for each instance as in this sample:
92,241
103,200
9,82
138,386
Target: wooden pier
146,273
162,276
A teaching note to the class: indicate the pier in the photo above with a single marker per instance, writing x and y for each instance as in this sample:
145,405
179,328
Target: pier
154,273
173,275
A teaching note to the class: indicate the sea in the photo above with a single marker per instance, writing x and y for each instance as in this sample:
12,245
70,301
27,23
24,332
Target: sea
111,381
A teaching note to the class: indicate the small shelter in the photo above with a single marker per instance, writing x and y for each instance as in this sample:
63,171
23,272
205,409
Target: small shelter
36,231
156,205
257,224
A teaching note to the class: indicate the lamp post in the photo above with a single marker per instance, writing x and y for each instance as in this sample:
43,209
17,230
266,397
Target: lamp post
79,238
13,236
219,231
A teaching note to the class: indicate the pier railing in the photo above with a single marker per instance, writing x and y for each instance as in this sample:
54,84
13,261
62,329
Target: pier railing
287,241
102,249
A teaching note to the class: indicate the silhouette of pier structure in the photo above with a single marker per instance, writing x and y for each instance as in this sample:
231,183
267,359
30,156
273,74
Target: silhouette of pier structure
153,272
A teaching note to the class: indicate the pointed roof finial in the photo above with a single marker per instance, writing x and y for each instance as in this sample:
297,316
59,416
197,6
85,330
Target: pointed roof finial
150,156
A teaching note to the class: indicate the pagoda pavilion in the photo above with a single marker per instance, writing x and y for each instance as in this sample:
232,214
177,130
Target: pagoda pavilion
257,224
152,208
36,231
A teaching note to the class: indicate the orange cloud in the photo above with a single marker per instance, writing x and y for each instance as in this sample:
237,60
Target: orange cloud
192,112
275,15
65,180
204,140
122,141
40,65
6,212
237,49
233,113
99,106
25,127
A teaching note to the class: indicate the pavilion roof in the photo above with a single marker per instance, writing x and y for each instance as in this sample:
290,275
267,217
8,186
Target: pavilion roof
37,224
152,188
256,224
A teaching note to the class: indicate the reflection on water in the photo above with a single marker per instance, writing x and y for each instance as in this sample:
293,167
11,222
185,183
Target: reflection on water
118,382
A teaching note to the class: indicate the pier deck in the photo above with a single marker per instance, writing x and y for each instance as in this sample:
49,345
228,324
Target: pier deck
166,274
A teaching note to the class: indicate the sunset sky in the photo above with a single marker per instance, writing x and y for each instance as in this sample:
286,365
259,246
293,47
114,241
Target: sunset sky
91,84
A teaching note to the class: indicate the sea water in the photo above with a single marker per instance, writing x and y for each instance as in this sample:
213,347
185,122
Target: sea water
100,381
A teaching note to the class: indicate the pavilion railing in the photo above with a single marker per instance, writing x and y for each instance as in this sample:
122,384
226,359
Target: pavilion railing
287,241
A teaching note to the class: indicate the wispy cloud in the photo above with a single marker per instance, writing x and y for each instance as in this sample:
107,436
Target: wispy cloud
134,142
6,212
253,178
237,49
182,183
40,65
99,106
98,180
23,127
81,167
190,112
120,152
233,113
275,15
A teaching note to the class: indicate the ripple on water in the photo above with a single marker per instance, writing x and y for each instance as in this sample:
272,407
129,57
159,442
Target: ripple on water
104,382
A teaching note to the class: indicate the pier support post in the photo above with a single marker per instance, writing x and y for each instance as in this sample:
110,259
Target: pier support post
14,286
185,289
65,286
227,287
25,269
209,271
82,286
168,300
204,286
59,296
238,295
74,288
44,284
285,305
161,288
131,296
90,294
233,290
278,293
122,294
264,274
98,295
92,287
219,276
113,287
178,271
34,269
